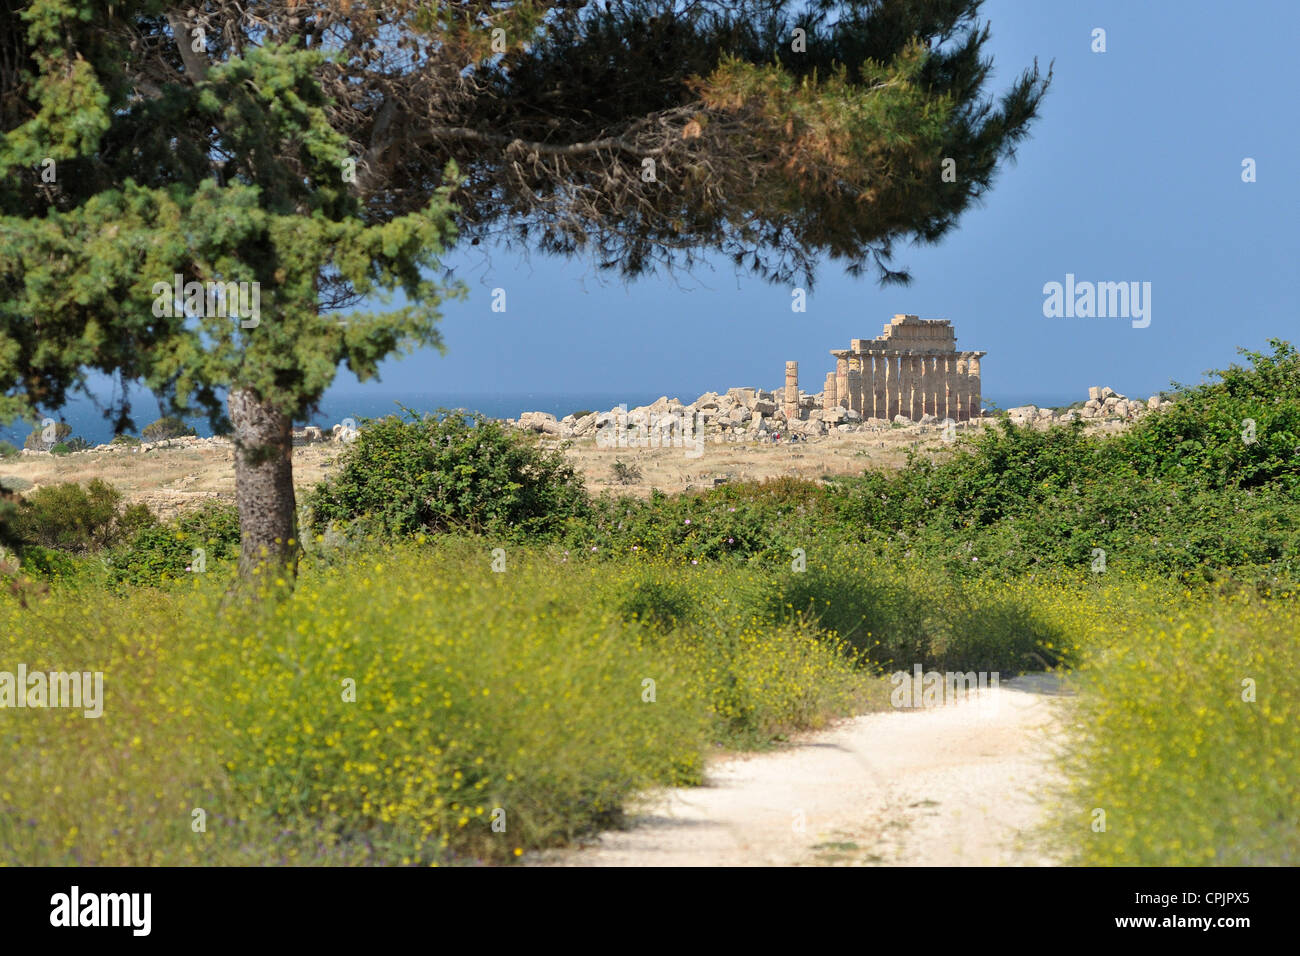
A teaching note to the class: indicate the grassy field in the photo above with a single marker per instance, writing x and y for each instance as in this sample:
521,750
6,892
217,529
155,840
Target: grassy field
389,708
402,701
1183,738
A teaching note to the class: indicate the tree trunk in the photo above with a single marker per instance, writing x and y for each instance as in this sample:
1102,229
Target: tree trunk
264,486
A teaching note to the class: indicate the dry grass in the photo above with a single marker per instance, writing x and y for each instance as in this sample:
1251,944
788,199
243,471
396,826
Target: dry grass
168,479
173,479
669,470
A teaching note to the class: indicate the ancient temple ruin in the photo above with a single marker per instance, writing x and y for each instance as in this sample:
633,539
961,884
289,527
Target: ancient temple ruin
913,369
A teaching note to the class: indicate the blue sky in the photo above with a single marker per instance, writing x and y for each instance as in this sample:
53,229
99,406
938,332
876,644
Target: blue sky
1132,173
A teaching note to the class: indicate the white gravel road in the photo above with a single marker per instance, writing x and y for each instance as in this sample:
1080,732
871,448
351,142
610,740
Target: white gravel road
959,785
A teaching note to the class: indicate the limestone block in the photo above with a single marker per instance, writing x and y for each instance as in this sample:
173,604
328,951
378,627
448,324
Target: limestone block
538,421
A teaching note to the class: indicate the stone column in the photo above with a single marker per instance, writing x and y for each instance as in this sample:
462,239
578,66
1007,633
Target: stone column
880,407
940,385
922,403
791,391
925,379
853,386
867,387
891,385
906,384
973,383
842,380
828,392
897,364
947,384
960,404
935,397
925,400
918,388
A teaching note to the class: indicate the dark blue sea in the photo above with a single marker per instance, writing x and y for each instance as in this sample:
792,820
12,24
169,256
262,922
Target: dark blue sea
88,422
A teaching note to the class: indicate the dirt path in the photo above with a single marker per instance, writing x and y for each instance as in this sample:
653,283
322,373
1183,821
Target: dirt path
950,786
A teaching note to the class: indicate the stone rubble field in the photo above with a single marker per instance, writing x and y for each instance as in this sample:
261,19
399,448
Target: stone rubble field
753,415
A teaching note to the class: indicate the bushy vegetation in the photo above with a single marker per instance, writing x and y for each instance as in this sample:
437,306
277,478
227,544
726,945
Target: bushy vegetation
166,427
196,540
36,440
74,518
743,521
446,472
1182,739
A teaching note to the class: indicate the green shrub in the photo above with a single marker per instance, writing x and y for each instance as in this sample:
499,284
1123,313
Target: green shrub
160,553
897,614
36,440
1184,734
124,440
657,600
47,562
748,520
166,427
8,450
443,472
70,517
1241,431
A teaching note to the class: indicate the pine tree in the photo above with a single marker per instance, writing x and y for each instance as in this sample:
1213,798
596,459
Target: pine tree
327,153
